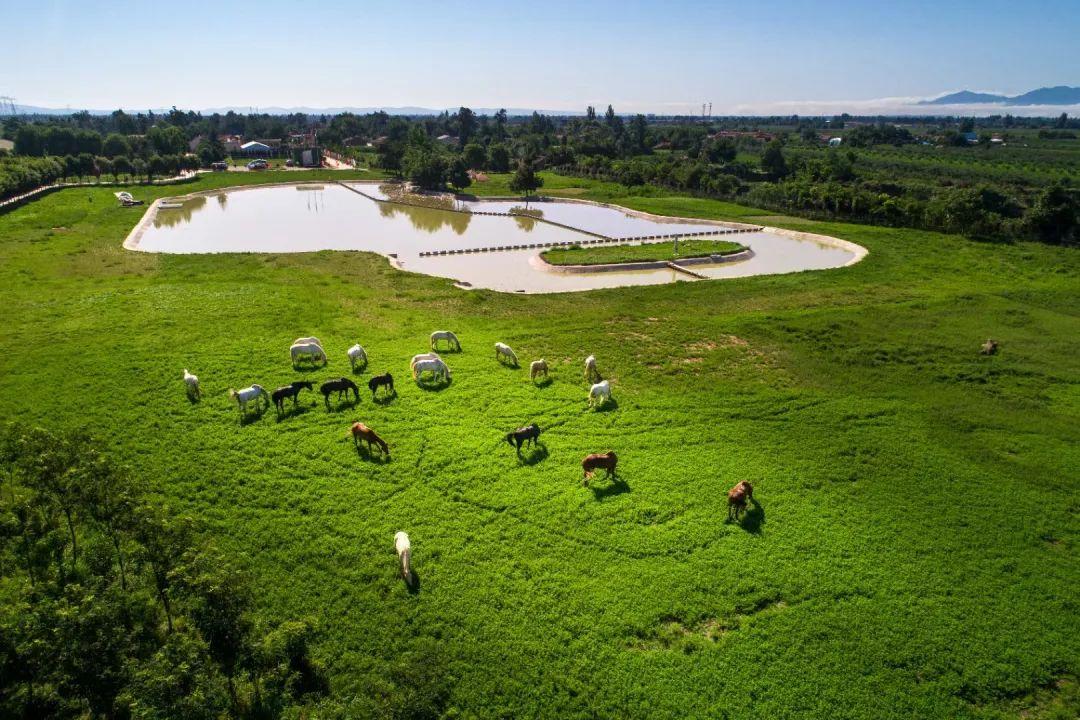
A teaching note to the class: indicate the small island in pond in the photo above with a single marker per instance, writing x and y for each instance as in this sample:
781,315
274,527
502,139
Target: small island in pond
647,252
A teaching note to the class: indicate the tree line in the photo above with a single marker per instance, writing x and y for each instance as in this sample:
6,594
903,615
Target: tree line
115,606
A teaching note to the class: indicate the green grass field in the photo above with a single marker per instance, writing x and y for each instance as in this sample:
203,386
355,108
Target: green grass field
647,252
914,553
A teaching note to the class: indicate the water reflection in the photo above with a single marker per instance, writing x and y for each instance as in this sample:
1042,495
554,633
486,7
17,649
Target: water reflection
171,217
429,220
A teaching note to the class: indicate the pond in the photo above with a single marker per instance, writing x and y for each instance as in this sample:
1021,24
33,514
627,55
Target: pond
310,217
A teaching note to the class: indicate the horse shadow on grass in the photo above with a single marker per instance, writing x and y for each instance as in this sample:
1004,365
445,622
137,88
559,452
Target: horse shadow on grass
365,453
544,382
412,583
295,410
609,405
433,386
385,398
251,417
617,486
536,454
341,405
754,519
359,368
308,367
193,398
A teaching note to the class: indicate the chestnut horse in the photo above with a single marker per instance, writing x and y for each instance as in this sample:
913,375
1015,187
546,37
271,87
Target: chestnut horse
597,461
738,498
361,432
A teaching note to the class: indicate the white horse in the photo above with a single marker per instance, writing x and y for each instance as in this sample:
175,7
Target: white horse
312,351
538,368
601,392
357,354
404,553
423,356
450,338
249,394
192,383
502,350
306,340
591,373
436,367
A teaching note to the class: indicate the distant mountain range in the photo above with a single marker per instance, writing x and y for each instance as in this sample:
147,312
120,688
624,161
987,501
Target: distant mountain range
1059,95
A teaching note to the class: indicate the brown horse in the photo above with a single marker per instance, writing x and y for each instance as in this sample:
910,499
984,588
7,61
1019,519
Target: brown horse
599,461
360,431
738,497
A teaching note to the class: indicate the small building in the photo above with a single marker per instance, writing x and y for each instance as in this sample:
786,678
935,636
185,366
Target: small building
835,141
255,148
971,137
231,143
447,140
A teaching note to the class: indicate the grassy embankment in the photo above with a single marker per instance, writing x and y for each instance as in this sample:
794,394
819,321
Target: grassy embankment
914,553
647,252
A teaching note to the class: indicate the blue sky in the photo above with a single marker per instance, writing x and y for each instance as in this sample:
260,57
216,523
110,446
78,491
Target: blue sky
641,56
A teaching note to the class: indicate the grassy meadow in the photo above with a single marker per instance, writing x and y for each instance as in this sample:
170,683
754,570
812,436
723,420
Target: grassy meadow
913,552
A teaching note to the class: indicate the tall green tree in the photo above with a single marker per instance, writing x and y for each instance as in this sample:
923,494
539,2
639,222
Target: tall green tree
525,179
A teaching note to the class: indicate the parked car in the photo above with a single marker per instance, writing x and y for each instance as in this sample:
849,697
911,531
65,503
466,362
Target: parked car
219,166
258,165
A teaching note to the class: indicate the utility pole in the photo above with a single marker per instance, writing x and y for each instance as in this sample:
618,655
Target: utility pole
8,102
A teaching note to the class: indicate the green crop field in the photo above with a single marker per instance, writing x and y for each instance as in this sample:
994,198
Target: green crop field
913,552
647,252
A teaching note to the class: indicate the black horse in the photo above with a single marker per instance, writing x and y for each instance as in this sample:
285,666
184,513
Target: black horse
523,436
292,390
341,386
379,381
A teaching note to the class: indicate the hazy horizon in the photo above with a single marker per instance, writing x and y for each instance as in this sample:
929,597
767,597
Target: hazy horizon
639,57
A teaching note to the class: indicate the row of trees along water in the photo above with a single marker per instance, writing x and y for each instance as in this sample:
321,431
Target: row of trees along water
1000,177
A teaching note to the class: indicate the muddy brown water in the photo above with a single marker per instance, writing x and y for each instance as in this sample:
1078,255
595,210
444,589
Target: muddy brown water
306,218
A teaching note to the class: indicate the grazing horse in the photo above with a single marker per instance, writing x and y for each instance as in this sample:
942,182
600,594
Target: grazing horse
600,391
192,383
599,461
523,436
312,351
249,394
291,390
538,368
341,386
591,373
404,553
379,381
361,432
436,367
502,350
990,347
452,342
423,356
738,497
356,354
